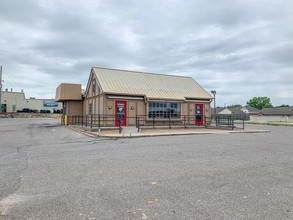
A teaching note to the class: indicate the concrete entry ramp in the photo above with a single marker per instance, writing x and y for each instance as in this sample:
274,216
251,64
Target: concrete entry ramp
129,130
133,132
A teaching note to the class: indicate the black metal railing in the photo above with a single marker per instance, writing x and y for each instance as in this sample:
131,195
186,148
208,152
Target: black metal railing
245,117
228,121
145,121
98,121
94,121
179,120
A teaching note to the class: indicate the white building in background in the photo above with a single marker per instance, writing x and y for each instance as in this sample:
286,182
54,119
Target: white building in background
16,101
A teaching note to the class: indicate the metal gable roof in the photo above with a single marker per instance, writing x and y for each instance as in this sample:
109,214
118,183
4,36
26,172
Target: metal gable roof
277,111
238,111
251,109
154,86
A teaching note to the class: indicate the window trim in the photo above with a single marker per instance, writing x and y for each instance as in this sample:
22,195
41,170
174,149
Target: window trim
90,108
94,88
163,107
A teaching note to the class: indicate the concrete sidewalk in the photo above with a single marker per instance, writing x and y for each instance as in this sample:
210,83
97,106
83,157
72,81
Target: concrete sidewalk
161,132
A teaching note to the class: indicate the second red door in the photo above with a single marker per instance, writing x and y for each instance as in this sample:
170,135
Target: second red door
120,107
198,114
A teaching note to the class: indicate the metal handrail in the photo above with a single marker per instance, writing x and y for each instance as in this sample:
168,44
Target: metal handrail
97,120
110,120
181,120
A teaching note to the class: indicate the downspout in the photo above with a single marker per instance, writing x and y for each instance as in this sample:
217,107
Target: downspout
146,100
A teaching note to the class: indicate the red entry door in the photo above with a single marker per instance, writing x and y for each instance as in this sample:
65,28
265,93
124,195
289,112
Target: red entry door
198,114
120,107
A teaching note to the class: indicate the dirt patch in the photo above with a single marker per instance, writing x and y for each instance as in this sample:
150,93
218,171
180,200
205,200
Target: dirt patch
1,214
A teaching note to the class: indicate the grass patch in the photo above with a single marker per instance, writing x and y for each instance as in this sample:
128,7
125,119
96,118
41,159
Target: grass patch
269,123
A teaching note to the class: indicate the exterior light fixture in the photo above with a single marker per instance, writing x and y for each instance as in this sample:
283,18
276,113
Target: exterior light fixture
214,93
131,107
110,107
190,109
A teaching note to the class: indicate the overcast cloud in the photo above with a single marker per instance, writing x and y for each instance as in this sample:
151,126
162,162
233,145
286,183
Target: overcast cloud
240,48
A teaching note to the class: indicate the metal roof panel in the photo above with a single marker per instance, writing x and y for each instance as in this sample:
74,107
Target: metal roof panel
158,86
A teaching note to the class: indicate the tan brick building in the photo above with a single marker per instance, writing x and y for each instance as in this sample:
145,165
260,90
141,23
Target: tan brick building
124,96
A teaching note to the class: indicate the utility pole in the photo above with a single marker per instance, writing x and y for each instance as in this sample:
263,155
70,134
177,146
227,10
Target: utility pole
0,89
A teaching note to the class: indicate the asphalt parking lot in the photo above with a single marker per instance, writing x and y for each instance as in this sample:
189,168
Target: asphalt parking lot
50,172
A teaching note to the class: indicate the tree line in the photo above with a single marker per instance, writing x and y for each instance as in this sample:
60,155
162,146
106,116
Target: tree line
259,103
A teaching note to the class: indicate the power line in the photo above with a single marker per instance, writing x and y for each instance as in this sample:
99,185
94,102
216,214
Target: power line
9,81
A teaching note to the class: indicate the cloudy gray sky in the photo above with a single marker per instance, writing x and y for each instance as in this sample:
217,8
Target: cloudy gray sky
240,48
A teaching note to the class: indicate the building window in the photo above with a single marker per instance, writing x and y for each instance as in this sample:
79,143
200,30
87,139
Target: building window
90,109
164,110
94,87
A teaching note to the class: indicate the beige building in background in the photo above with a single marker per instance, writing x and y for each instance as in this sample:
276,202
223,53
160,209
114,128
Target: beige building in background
16,101
121,95
275,115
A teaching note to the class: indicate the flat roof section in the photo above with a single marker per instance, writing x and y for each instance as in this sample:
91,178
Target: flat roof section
67,91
